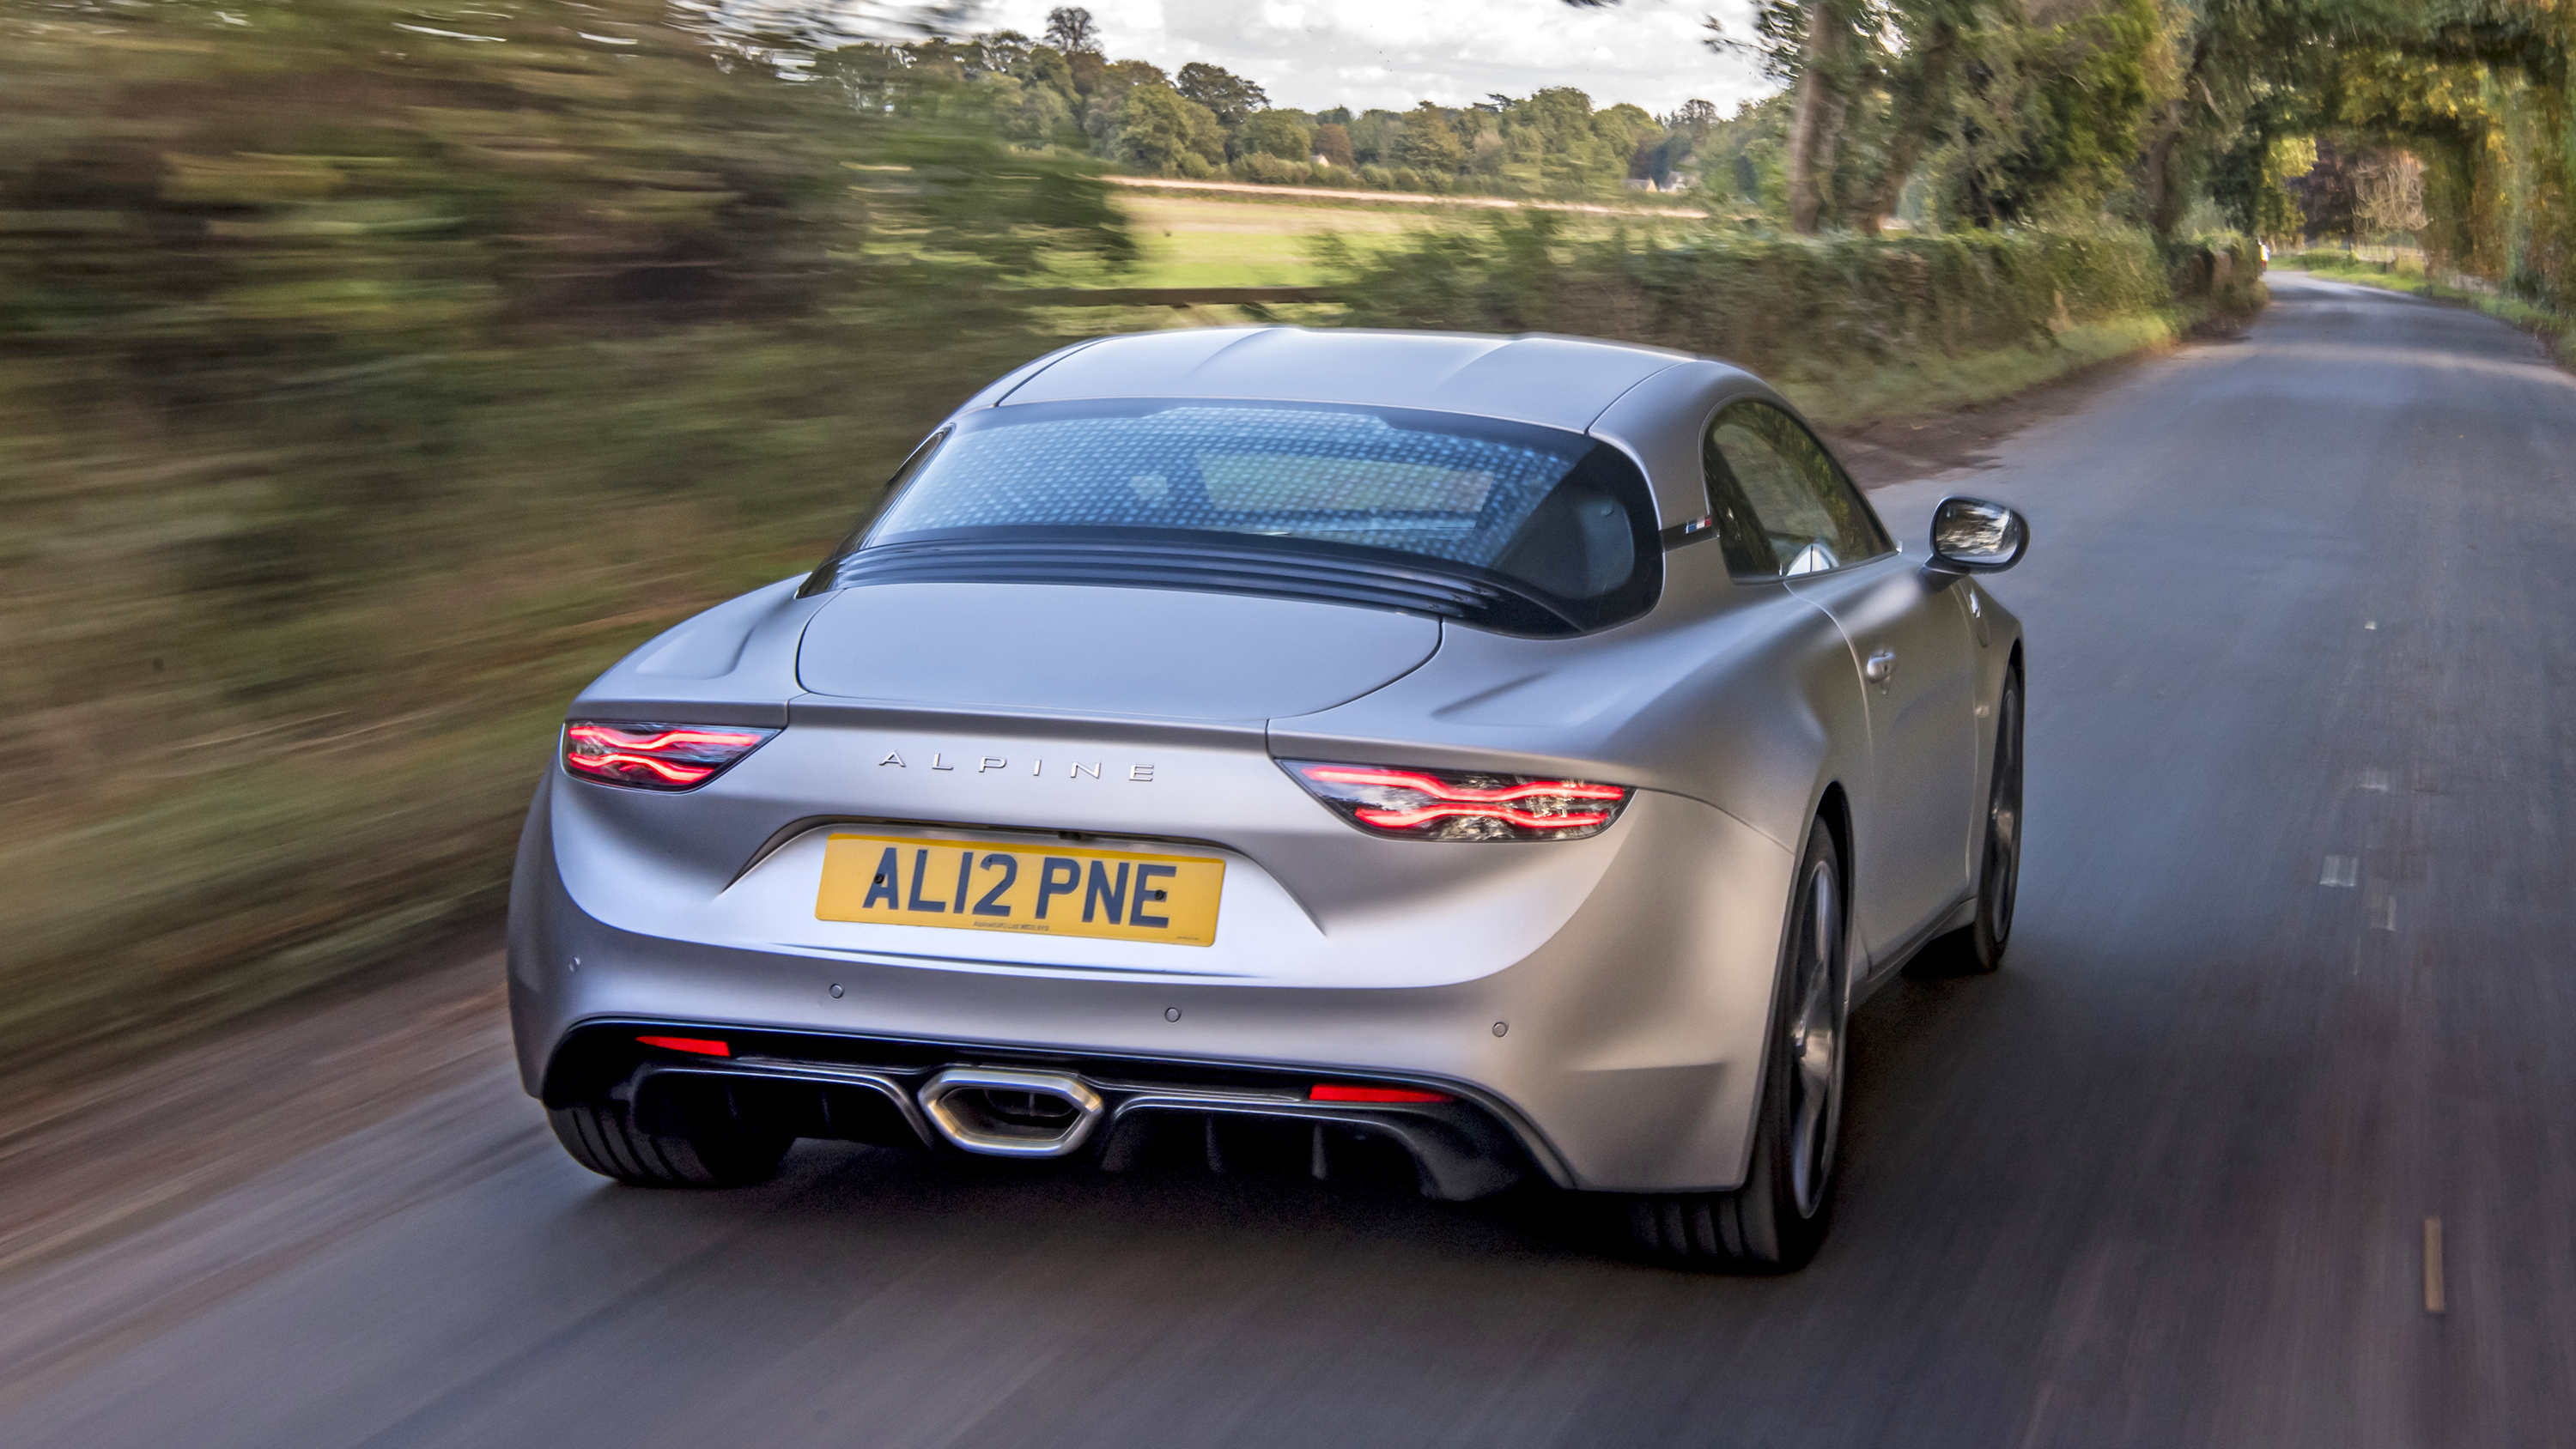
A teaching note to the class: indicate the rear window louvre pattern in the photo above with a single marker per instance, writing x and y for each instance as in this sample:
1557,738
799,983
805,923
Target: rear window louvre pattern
1202,565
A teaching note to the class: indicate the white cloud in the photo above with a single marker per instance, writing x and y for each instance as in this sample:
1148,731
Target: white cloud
1391,53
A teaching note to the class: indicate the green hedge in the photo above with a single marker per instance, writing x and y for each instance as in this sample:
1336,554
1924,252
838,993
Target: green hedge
1814,314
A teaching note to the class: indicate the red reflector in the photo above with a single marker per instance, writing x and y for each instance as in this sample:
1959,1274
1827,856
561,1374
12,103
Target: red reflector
1334,1092
701,1045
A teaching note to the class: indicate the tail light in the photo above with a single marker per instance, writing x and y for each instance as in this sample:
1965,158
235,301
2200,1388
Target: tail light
1416,804
655,756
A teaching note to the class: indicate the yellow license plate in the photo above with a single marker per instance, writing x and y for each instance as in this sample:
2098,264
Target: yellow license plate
969,885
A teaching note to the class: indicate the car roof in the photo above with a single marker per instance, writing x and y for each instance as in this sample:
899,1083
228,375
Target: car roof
1562,382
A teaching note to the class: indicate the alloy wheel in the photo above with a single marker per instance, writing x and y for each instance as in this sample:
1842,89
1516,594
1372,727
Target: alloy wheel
1816,1037
2001,879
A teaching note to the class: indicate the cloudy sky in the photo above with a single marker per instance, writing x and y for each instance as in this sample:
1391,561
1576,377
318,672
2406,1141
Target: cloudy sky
1318,53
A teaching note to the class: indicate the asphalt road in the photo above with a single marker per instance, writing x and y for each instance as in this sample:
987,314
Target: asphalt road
2299,611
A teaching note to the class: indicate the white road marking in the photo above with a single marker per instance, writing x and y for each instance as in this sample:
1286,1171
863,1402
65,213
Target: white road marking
2434,1301
2370,623
2375,779
2341,870
2383,913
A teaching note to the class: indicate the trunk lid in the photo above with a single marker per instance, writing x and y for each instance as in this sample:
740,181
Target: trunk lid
1150,653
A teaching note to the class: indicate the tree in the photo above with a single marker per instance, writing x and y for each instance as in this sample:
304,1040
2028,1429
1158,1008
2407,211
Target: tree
1695,116
1816,124
2323,175
1373,135
1828,52
1045,65
1004,50
1069,29
1156,128
1122,76
1624,124
1333,143
2389,198
2038,110
2238,66
1037,115
1429,143
1275,133
1228,97
2251,178
1110,87
1920,104
2048,118
1779,37
1086,68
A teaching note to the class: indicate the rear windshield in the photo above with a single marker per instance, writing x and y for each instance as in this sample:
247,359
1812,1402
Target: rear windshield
1552,512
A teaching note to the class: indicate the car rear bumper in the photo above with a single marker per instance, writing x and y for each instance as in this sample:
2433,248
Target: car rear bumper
1622,1053
1136,1112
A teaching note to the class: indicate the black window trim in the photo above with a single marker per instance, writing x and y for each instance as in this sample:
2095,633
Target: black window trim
826,575
1716,474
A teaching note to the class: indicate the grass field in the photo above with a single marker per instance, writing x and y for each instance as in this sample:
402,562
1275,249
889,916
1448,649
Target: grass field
1195,242
1191,241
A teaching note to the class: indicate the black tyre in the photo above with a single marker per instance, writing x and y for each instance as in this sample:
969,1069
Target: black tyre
1978,947
1776,1220
1999,864
601,1137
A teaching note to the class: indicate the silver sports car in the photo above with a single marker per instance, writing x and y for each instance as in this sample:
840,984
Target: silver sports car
1470,759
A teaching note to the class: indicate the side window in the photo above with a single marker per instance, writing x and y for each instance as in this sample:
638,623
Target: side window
1786,507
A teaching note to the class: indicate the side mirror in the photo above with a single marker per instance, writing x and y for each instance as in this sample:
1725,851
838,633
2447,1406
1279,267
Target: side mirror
1972,536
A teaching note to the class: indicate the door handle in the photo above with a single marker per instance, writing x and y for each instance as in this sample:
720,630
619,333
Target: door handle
1881,667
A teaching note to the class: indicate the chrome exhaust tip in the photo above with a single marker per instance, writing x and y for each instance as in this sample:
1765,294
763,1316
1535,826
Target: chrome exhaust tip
1005,1113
